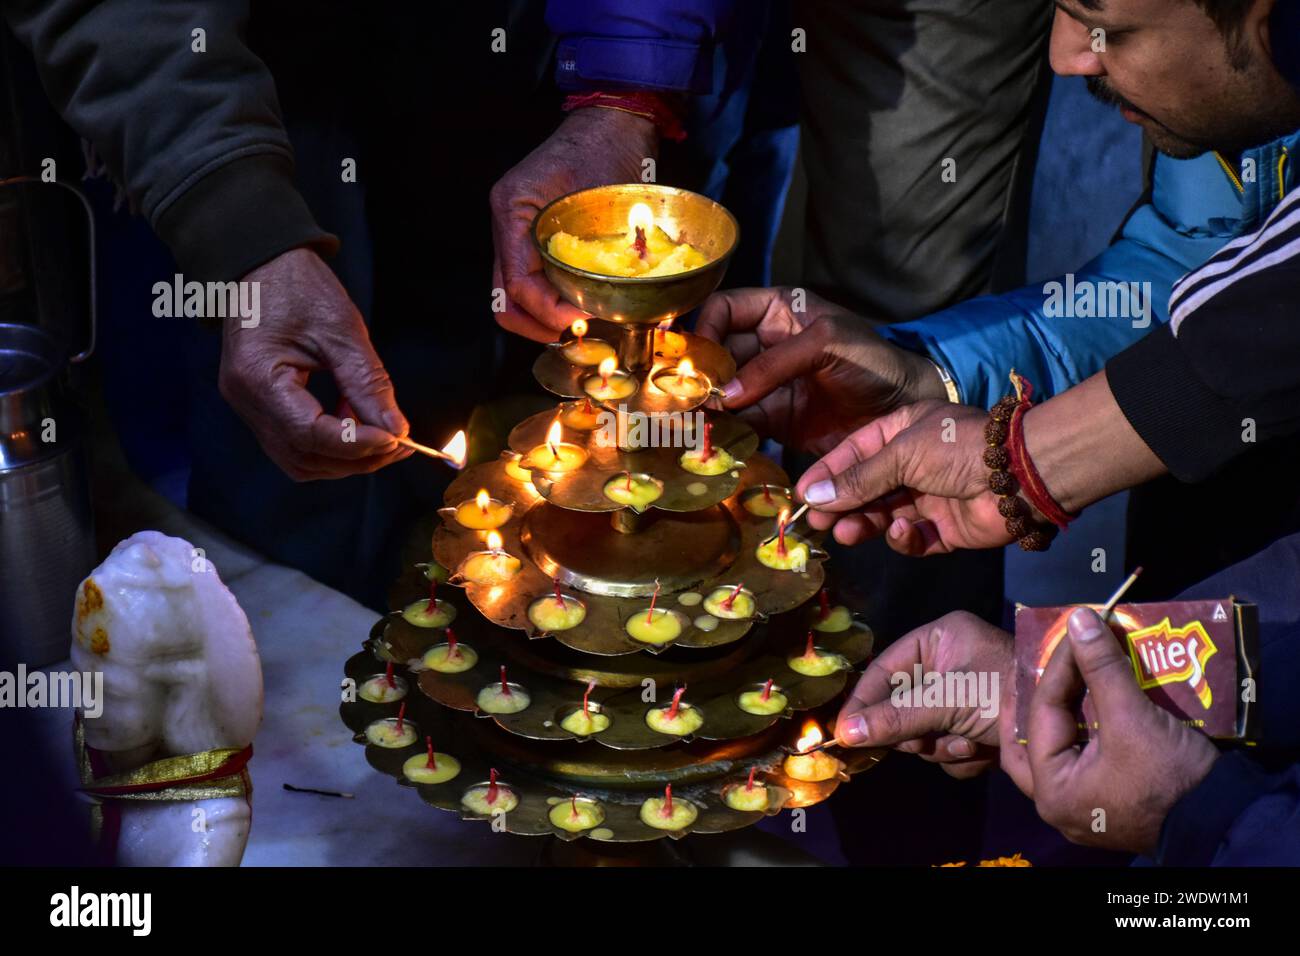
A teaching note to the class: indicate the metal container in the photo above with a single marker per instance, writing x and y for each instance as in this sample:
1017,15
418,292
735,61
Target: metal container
47,543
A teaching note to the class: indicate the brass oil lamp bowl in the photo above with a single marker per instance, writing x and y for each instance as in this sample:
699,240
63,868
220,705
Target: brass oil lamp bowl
609,211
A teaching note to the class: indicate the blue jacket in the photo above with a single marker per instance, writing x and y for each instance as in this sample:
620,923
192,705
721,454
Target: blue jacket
1194,207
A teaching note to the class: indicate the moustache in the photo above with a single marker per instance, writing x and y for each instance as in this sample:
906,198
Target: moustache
1104,94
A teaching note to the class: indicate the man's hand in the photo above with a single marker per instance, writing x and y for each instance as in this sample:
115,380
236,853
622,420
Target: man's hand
961,736
308,324
1115,791
592,147
917,474
810,371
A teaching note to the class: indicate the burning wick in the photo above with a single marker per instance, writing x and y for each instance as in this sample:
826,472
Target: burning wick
668,801
767,689
825,599
586,707
483,499
401,718
780,531
731,599
579,329
492,786
606,369
388,675
505,688
552,438
650,615
453,648
432,762
677,700
749,784
706,450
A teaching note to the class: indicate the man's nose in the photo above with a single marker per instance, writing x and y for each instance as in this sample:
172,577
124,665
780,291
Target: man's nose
1072,48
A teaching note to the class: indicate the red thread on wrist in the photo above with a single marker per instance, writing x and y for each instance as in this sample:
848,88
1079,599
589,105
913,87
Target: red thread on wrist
651,106
1022,467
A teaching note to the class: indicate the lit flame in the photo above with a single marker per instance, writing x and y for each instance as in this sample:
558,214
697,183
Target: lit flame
783,517
665,325
812,736
482,499
641,216
607,368
579,327
494,541
686,369
554,433
455,449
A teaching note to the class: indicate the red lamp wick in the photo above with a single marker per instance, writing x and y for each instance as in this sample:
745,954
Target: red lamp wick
591,685
731,598
432,762
453,645
767,689
668,800
650,615
767,493
706,450
825,599
388,675
492,786
401,717
780,537
433,597
677,700
808,651
559,598
574,803
639,245
628,486
505,688
749,784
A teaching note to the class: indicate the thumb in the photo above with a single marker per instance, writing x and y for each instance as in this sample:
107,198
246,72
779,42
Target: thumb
775,366
364,382
857,484
1103,663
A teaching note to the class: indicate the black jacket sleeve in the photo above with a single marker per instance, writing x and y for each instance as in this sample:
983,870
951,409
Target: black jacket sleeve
194,137
1225,372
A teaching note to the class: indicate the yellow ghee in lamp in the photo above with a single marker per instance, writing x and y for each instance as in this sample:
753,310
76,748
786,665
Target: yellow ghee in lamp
577,814
493,566
662,720
812,768
584,723
378,690
730,603
794,556
645,251
746,798
446,659
477,799
665,813
417,769
483,513
754,702
635,491
387,733
654,626
766,502
556,613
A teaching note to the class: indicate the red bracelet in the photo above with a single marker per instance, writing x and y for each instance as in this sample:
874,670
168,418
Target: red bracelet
656,108
1022,466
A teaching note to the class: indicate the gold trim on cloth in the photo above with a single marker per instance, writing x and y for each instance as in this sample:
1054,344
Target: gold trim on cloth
169,778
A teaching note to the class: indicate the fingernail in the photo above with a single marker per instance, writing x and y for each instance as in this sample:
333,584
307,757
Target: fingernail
852,730
961,748
395,422
1084,624
898,528
820,492
732,389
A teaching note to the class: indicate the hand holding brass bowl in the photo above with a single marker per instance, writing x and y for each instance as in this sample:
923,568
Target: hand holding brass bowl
607,211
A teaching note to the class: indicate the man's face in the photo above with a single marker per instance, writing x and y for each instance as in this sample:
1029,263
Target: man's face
1169,69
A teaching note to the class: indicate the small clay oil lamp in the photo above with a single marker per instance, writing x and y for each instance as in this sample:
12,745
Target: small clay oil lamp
814,662
678,719
766,702
767,501
557,612
431,767
656,625
781,554
584,351
493,566
516,470
577,814
635,491
393,733
553,455
452,657
707,460
491,798
581,416
431,611
483,512
385,688
502,697
830,620
610,383
683,381
746,797
665,813
807,764
732,604
586,720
